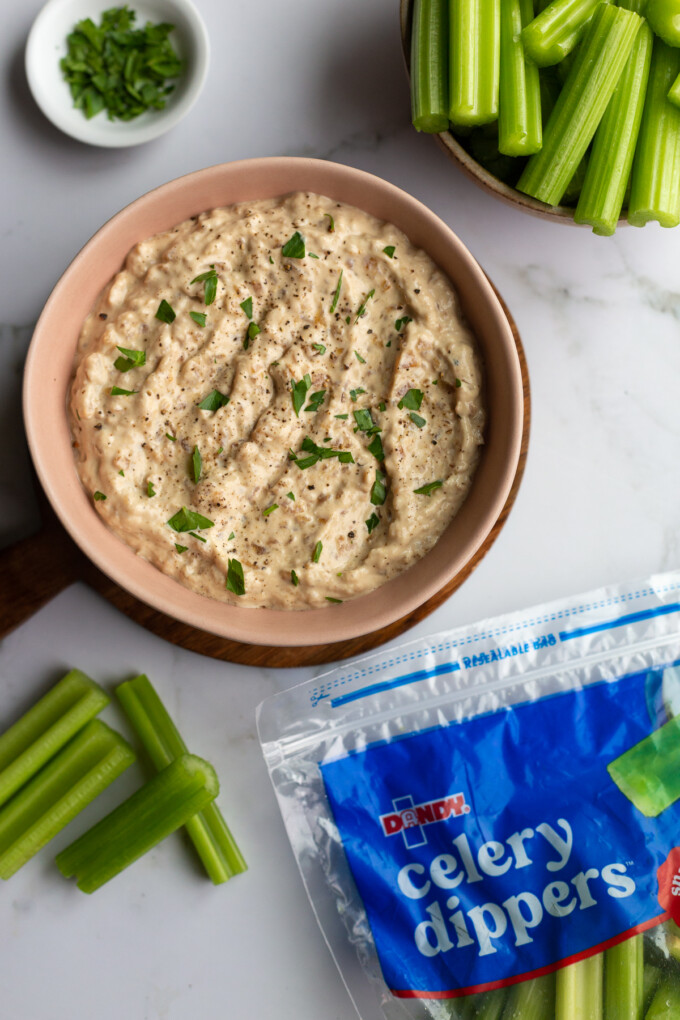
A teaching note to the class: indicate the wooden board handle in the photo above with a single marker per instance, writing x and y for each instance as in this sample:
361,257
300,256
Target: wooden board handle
32,572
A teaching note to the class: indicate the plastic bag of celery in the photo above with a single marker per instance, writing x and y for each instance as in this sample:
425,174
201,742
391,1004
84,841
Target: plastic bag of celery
487,822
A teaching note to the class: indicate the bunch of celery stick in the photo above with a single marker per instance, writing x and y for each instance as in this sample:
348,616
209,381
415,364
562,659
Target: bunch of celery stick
638,979
575,103
58,758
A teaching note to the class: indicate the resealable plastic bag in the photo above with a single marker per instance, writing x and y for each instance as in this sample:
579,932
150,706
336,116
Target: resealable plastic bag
487,821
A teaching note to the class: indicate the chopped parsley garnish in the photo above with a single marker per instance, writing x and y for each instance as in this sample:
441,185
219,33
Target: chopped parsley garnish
121,473
132,359
348,320
427,490
417,420
372,522
299,392
98,496
342,417
458,384
389,251
198,317
271,260
150,491
194,535
329,598
411,400
376,448
209,278
355,393
317,453
173,439
359,358
316,400
331,224
116,67
294,248
382,406
253,330
362,306
181,548
316,555
235,582
312,255
270,509
196,465
213,401
320,348
336,295
378,489
231,536
116,391
189,520
290,496
364,420
247,307
400,323
165,312
294,578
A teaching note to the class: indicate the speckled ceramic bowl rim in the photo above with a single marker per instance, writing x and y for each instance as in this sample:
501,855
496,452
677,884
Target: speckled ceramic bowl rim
49,369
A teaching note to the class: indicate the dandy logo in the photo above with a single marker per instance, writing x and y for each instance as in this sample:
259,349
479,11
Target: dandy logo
409,818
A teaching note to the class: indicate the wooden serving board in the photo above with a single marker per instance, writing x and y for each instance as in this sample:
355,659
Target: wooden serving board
38,568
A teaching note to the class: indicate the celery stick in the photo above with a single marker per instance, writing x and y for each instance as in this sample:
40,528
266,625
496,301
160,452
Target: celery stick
556,30
490,1005
532,1000
429,66
474,61
208,831
158,808
666,1002
674,92
578,990
581,103
655,187
613,149
520,131
651,978
648,774
67,784
45,728
623,980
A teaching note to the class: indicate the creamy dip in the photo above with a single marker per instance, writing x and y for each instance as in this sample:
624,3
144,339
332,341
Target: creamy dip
293,400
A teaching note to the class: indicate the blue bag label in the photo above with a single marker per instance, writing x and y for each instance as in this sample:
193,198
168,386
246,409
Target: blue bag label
500,848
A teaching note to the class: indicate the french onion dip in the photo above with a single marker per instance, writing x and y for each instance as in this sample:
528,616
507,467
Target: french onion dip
278,403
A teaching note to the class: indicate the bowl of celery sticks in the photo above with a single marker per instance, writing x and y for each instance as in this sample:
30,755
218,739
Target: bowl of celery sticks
569,110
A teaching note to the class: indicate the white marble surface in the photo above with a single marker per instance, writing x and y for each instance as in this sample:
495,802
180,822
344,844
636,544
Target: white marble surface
600,322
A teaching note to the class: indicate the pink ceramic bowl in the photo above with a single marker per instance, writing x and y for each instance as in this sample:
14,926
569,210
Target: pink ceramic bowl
48,375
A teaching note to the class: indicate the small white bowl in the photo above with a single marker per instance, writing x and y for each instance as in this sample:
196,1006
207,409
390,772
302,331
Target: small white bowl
46,45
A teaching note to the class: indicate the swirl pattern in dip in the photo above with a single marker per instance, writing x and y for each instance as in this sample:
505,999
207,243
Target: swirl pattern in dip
278,403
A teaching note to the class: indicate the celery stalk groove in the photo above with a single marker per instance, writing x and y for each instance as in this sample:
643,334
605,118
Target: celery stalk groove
581,103
520,130
474,61
655,184
429,66
208,830
613,149
555,32
68,783
158,808
532,1000
35,738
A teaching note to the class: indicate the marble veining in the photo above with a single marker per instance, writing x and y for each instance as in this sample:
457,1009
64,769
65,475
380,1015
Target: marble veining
599,502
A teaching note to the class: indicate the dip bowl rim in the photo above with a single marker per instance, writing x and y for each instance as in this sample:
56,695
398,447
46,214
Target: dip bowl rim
48,373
